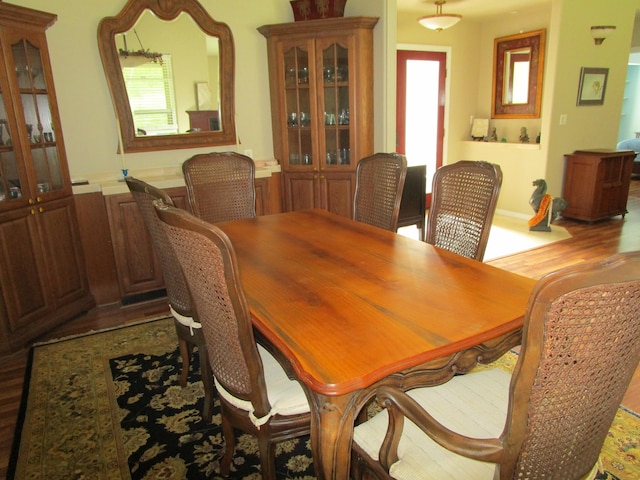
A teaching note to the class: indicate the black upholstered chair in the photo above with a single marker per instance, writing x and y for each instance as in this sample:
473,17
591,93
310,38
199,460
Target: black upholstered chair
464,199
220,186
379,182
256,396
580,348
187,328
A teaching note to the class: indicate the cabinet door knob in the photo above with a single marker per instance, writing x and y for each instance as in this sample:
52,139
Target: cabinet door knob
40,209
32,211
31,201
38,199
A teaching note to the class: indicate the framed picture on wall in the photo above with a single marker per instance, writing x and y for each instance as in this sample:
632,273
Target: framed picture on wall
593,83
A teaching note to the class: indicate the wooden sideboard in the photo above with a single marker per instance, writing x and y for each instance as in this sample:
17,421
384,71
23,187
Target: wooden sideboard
121,264
596,183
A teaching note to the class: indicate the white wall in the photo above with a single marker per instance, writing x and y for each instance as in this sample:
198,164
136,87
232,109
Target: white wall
569,47
88,119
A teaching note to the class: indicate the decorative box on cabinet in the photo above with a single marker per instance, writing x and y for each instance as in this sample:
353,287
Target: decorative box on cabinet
321,83
596,183
42,276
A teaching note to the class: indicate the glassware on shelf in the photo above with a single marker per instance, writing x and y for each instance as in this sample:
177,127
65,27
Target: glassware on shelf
343,118
15,192
344,156
329,74
303,75
329,118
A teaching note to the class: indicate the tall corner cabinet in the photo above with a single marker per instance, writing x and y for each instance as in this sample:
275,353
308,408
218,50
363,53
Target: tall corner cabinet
43,280
321,86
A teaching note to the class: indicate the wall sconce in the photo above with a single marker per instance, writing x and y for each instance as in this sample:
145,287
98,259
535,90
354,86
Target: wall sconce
600,32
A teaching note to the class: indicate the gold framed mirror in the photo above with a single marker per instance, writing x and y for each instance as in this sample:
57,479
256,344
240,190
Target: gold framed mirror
170,70
518,68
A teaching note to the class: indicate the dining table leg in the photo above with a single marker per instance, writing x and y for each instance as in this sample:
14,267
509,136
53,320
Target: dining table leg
332,421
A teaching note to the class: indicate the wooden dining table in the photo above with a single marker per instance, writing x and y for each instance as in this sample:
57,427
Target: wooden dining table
348,307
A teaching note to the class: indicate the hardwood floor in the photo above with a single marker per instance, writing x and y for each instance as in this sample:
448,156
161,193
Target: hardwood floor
589,242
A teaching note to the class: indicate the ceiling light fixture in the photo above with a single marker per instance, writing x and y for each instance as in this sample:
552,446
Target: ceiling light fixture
439,21
600,32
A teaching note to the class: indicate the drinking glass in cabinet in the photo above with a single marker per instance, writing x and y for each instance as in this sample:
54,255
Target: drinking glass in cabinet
328,74
305,119
303,75
329,118
342,74
343,119
344,155
293,119
306,159
294,159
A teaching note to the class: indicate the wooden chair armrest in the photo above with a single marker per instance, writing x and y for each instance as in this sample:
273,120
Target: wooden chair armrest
400,405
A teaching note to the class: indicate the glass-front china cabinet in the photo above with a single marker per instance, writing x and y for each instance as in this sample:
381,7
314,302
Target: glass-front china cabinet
321,82
42,275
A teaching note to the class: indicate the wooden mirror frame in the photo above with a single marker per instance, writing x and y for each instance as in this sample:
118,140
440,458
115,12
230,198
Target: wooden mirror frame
536,41
167,10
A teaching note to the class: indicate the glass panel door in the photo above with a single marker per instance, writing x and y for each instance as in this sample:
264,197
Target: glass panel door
10,187
40,128
298,106
335,70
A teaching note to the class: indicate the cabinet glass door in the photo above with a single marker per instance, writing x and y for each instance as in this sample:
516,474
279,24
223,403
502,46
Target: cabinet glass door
10,188
298,106
40,128
335,76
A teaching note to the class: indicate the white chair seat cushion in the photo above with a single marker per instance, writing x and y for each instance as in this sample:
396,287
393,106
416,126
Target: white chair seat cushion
286,396
474,405
184,320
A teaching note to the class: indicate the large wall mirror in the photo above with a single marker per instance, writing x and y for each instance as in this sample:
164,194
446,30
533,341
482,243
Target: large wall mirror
170,69
518,67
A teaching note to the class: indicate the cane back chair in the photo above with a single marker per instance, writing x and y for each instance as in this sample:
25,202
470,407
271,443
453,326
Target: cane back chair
464,199
580,348
220,186
256,396
187,328
379,182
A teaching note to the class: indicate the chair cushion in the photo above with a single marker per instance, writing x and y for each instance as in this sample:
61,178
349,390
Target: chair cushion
286,396
186,321
474,405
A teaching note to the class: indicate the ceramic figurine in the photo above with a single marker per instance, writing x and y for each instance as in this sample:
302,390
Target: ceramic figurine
494,135
524,136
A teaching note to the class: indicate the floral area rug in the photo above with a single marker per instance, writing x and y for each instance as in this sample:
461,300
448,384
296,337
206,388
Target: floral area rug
109,406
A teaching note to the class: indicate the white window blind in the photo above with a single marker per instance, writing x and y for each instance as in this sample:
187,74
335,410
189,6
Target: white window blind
151,96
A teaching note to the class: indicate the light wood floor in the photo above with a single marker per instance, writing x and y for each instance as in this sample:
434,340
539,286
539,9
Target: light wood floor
589,242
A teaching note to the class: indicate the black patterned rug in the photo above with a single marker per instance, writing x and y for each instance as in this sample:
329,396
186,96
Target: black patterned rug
165,436
108,405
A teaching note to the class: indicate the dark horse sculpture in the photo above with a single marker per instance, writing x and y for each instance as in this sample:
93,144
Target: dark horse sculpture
551,207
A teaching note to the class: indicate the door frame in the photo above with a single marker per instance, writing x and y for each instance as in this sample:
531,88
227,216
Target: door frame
447,89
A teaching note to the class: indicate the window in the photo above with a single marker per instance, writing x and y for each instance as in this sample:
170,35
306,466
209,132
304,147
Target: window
151,96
